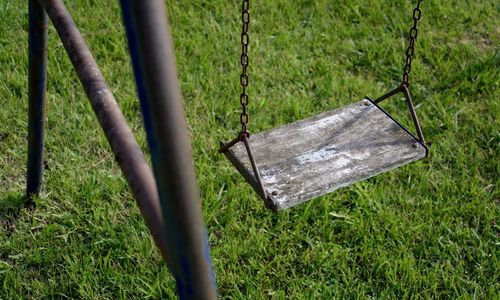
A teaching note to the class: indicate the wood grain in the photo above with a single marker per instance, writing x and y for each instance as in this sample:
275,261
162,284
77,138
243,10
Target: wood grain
318,155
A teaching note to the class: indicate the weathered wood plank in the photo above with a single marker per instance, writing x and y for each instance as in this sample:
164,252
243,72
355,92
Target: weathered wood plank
318,155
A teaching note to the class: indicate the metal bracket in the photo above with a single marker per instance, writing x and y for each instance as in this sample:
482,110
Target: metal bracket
243,137
403,88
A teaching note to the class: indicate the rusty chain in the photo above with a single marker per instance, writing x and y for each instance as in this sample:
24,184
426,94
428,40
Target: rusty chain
410,51
245,39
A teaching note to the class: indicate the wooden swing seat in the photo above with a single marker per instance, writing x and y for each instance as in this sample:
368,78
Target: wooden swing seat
318,155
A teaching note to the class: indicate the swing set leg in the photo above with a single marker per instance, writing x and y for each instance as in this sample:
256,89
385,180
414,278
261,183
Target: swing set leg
151,49
37,73
170,202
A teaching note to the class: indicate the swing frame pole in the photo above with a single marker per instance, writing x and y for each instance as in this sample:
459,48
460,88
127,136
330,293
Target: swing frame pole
151,50
37,83
127,152
170,203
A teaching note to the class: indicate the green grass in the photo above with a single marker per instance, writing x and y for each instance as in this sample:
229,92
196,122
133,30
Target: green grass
427,230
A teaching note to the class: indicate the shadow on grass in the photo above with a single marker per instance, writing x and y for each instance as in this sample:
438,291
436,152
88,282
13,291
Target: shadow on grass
12,202
10,208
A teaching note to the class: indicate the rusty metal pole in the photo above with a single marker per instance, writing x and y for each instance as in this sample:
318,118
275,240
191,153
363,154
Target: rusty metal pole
153,60
37,82
127,152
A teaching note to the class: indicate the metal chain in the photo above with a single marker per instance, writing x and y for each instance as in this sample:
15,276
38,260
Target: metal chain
245,39
410,51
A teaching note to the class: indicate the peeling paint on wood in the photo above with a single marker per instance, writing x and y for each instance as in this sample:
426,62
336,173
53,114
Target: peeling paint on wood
318,155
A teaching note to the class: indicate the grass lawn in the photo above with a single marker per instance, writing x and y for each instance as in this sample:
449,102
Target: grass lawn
430,229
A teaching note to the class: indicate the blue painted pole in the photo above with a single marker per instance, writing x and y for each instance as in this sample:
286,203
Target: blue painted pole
155,72
37,68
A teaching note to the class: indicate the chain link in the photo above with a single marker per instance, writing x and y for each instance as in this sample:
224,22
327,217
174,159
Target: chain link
245,40
410,51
